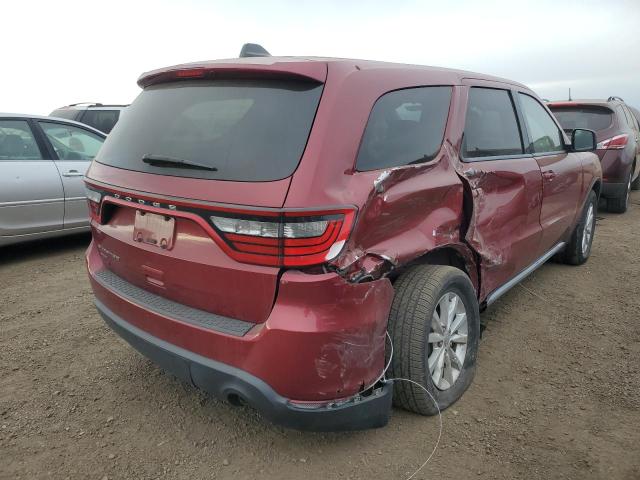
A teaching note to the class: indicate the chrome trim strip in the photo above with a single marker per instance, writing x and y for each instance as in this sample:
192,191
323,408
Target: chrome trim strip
31,202
498,292
96,184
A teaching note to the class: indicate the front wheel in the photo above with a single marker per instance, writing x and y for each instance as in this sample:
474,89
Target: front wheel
435,329
579,247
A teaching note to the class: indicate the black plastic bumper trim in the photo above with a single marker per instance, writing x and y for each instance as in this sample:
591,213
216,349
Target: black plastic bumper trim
171,309
225,381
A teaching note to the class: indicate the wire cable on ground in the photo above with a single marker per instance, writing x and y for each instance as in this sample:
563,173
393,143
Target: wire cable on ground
383,377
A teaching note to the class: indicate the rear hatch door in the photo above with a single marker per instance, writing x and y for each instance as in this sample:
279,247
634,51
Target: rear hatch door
189,148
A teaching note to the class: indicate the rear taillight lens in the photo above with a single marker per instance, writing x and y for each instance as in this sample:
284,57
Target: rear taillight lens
94,199
285,239
614,143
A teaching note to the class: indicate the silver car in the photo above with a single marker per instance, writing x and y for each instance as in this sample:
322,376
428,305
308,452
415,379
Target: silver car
42,164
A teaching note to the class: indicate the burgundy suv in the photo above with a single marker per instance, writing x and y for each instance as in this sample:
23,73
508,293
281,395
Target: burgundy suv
618,135
260,224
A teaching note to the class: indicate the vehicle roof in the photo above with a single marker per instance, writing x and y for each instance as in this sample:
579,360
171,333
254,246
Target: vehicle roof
98,106
585,101
57,119
451,76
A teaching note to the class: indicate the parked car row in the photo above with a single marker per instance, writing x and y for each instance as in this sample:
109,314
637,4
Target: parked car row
266,230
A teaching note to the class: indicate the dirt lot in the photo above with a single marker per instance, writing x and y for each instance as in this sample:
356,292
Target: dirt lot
557,393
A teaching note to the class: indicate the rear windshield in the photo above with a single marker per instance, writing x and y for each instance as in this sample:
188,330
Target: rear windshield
67,113
103,120
593,118
247,130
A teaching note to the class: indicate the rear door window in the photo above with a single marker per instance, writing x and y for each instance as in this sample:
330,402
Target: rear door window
71,142
593,118
544,134
405,127
17,141
491,126
245,129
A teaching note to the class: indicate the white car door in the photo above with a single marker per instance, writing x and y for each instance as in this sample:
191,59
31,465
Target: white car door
31,194
74,147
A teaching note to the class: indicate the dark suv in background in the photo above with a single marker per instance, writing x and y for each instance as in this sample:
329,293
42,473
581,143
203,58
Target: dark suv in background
96,115
618,137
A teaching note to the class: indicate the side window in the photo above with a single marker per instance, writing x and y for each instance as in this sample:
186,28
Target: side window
405,126
491,126
544,134
72,143
103,120
17,141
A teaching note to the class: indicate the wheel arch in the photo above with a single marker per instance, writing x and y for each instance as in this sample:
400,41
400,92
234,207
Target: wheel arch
454,255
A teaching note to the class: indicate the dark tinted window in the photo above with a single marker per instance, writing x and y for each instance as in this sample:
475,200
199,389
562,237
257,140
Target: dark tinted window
405,126
17,142
491,128
68,113
103,120
593,118
544,134
251,130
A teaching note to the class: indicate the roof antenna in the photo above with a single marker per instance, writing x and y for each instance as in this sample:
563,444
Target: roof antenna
253,50
569,93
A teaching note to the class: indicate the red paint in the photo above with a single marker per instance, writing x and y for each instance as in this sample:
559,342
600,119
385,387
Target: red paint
317,336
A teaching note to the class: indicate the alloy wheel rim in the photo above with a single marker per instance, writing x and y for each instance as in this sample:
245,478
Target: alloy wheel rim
588,230
448,341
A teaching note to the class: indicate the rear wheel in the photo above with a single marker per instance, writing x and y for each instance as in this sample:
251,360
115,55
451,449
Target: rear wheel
435,328
620,204
635,185
579,248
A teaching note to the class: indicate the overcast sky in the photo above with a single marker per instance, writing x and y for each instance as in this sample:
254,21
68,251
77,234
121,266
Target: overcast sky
67,51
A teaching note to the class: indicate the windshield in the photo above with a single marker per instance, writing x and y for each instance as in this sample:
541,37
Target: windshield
593,118
247,130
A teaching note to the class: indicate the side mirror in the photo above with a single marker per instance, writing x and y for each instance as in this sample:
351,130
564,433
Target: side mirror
583,140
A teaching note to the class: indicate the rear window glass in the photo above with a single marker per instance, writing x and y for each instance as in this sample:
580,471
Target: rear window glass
593,118
405,126
247,130
68,113
103,120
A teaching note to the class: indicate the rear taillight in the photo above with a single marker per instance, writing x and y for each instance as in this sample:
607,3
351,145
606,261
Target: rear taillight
285,238
614,143
94,199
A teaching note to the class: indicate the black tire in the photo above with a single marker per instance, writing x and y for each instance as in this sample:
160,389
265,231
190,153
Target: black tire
620,204
573,253
417,293
635,185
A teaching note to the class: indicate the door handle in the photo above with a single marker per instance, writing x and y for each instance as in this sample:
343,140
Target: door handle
73,173
549,175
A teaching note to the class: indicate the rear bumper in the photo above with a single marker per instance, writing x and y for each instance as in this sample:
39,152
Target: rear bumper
230,383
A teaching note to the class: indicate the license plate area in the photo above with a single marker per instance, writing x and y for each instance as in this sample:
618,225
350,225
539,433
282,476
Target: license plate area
157,230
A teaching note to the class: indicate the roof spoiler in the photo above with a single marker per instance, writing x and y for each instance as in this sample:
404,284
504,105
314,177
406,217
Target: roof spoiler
253,50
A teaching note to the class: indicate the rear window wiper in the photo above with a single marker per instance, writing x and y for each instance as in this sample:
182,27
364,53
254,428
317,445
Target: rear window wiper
164,161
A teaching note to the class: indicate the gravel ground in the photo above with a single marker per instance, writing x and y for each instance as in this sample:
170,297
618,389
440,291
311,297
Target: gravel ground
556,395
